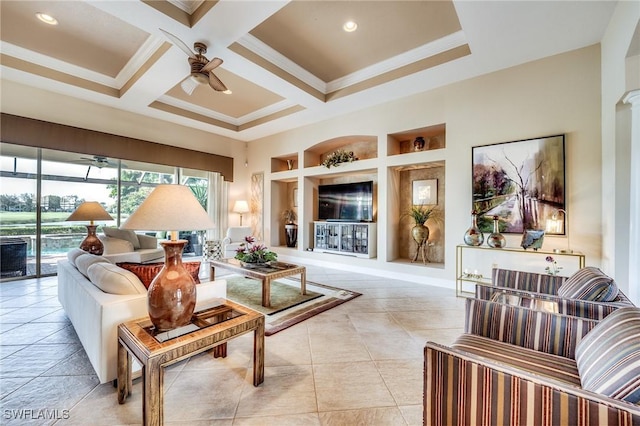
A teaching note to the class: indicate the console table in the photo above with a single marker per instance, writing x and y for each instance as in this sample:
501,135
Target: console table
475,263
350,238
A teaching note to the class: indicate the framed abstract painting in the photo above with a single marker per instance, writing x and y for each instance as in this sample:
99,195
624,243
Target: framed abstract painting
521,182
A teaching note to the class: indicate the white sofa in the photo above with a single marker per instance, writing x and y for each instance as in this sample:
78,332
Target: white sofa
96,313
235,237
122,245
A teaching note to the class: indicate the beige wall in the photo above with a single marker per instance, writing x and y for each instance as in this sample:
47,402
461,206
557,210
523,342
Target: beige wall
555,95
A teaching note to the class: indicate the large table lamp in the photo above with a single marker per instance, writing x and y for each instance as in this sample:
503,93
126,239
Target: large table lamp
172,293
90,211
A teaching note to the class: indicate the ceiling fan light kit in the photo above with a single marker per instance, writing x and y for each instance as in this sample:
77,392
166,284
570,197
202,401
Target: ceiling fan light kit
201,67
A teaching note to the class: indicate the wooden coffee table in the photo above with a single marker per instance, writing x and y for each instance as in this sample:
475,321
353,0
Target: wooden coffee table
266,274
210,328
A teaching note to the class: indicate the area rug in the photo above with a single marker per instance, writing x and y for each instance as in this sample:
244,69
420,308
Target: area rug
288,306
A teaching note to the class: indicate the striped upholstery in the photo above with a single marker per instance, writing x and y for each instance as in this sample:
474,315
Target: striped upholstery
527,281
575,307
558,367
589,283
609,356
541,331
464,389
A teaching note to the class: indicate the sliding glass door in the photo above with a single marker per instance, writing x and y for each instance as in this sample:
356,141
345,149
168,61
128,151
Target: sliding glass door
40,188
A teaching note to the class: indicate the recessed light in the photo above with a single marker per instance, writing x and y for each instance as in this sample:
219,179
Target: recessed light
227,92
47,19
350,26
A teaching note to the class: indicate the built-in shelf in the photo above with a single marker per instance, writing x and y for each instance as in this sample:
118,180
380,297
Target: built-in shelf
403,142
295,178
363,147
284,163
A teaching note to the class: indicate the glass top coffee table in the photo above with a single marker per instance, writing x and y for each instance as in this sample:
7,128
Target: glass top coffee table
266,274
211,327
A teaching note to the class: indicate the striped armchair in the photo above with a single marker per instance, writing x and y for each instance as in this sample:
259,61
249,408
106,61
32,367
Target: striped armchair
515,365
545,286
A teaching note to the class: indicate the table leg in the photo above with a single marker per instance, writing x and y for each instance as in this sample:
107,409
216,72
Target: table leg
303,282
152,394
212,272
266,292
220,351
258,354
124,373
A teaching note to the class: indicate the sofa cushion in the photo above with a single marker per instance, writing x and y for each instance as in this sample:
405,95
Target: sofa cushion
589,283
608,357
114,280
73,254
123,234
537,362
146,272
85,260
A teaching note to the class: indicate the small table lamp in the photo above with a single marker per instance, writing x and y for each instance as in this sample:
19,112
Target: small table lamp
90,211
172,293
557,225
241,207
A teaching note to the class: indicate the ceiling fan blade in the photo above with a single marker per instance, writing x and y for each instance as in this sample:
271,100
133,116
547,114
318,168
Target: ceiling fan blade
175,40
212,64
189,85
215,83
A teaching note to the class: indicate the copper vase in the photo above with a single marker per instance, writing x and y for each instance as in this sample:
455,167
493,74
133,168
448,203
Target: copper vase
172,293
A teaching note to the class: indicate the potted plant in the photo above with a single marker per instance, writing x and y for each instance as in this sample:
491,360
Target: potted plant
251,254
289,217
420,214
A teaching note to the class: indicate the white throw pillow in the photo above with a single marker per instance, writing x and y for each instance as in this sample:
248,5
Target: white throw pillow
123,234
85,260
115,280
73,254
115,245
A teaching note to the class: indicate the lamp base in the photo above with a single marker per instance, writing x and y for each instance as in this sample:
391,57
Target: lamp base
172,293
92,243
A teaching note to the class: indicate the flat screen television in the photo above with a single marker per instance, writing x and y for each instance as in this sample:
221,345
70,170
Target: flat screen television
346,202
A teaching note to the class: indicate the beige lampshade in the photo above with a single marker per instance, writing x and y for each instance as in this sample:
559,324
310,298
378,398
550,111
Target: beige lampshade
89,211
169,207
241,206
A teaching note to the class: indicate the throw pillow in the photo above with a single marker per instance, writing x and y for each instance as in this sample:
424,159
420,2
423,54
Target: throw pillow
114,280
123,234
73,254
589,283
608,357
116,245
146,272
85,260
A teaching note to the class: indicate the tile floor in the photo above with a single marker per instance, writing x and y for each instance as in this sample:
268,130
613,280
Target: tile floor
359,363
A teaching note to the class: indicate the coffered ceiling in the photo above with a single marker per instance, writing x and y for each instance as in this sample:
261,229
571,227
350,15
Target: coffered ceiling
287,63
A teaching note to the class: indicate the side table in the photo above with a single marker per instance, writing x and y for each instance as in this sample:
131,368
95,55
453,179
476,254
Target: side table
210,328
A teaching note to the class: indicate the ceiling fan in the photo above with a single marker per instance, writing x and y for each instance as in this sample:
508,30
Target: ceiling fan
98,161
201,67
